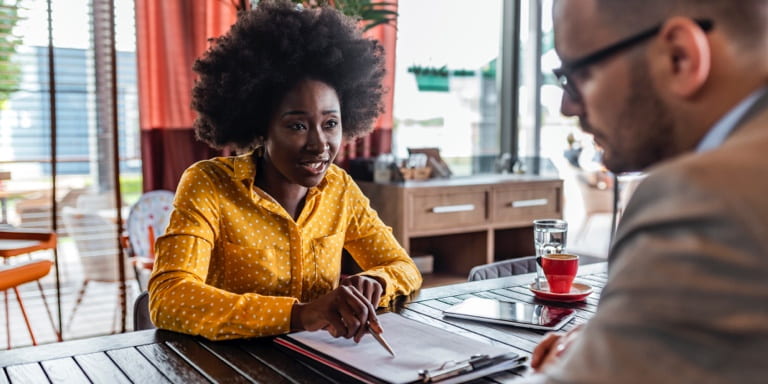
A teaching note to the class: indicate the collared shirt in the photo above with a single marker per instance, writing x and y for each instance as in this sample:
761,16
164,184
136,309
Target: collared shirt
720,131
233,262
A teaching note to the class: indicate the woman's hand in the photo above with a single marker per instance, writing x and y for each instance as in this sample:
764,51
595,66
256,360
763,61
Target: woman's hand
552,347
370,287
343,312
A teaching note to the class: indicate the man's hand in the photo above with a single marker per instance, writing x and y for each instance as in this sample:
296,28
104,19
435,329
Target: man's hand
552,347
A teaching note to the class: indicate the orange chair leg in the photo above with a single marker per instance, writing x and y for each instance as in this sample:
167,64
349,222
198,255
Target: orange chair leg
26,319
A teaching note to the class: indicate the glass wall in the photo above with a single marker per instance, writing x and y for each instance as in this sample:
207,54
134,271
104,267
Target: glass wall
446,85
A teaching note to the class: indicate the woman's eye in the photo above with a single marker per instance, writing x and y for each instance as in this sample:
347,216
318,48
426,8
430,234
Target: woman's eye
297,126
331,124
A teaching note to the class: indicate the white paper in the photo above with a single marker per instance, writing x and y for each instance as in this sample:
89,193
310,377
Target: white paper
417,346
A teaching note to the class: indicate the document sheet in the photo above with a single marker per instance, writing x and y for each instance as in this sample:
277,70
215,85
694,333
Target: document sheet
417,346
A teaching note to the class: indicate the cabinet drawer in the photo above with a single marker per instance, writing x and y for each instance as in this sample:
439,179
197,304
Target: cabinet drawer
525,204
447,210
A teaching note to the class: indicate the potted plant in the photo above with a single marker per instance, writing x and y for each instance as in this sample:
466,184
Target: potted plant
370,13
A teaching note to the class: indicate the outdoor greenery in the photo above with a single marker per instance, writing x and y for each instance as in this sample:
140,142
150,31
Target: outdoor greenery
10,72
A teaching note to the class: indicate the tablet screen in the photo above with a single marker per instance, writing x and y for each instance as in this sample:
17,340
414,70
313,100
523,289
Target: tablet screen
527,315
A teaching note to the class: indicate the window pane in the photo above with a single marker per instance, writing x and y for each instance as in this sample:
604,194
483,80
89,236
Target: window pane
448,98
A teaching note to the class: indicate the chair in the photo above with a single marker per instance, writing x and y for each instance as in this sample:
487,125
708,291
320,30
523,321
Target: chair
95,240
13,276
19,242
141,319
503,268
147,220
518,266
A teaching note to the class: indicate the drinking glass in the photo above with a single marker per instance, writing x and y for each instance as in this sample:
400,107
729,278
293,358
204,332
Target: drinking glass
549,237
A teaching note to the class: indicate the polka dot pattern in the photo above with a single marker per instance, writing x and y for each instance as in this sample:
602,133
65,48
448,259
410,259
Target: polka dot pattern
233,262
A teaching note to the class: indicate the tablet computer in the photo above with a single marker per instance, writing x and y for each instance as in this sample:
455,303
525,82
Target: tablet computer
536,316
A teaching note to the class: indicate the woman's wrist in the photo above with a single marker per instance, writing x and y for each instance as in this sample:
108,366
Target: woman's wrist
296,323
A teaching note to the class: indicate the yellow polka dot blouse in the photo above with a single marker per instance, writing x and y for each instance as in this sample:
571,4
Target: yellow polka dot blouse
233,262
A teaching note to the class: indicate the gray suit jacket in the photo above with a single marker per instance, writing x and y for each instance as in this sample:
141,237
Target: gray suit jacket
687,294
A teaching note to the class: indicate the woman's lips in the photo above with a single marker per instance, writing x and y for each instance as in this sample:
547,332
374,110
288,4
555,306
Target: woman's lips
315,167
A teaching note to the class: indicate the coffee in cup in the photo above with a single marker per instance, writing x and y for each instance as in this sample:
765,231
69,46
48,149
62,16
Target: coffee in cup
560,270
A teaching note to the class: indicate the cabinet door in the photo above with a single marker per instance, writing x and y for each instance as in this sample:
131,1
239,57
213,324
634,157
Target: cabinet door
524,203
448,209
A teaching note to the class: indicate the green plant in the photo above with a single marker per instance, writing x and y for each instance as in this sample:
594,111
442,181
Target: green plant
370,13
429,71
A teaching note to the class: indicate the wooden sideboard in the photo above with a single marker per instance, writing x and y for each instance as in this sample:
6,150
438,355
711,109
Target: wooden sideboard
466,221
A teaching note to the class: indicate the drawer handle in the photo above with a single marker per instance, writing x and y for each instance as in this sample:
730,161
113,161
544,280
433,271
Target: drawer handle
528,203
453,208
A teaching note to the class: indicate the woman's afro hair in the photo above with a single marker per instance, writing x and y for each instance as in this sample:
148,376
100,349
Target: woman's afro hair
246,73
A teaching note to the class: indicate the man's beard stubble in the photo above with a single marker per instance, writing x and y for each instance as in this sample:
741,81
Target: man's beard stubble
644,135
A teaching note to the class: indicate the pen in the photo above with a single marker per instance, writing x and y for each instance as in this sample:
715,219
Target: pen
380,339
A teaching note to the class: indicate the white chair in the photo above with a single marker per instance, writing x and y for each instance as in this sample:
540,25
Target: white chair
147,220
95,239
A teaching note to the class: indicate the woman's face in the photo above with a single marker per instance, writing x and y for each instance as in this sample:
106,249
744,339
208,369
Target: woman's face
304,134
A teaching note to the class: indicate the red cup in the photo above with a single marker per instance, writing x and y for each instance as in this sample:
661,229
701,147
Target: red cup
560,270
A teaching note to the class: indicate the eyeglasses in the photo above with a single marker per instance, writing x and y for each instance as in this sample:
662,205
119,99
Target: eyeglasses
564,74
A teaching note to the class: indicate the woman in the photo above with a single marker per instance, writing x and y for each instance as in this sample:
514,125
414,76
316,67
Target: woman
254,244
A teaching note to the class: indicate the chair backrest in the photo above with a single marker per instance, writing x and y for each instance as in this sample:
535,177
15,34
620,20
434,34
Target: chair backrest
96,242
141,319
153,209
503,268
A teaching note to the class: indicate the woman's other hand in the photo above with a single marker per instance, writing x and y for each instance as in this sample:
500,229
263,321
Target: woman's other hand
343,312
370,287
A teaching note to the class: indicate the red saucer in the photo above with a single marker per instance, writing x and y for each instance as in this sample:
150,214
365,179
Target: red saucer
579,292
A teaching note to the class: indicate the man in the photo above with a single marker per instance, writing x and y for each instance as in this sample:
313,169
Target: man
677,88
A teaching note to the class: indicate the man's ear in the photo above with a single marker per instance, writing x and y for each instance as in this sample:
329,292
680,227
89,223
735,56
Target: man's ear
686,55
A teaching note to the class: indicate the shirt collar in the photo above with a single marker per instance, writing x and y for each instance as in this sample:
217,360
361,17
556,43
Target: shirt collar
245,168
720,131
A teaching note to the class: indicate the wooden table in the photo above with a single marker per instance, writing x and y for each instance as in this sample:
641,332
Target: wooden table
158,356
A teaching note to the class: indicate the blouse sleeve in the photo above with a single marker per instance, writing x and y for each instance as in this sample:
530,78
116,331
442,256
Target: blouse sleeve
373,246
180,298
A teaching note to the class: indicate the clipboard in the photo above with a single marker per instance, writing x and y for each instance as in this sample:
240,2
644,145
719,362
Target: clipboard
425,354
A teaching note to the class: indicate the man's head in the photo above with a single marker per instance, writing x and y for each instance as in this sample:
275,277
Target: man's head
649,78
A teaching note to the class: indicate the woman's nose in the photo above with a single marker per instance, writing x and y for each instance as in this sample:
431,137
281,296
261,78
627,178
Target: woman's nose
316,140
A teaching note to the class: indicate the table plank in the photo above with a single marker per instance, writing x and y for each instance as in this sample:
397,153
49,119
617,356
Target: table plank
265,351
247,365
173,366
136,366
208,364
52,351
64,370
100,368
26,373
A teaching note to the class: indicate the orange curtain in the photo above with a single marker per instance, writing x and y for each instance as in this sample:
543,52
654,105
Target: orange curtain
170,35
380,139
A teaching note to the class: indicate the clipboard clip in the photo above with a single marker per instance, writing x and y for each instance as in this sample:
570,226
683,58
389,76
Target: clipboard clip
455,368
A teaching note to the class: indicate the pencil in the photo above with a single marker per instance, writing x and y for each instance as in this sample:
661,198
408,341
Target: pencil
381,340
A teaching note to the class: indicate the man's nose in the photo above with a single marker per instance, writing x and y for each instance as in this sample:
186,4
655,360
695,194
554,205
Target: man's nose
570,107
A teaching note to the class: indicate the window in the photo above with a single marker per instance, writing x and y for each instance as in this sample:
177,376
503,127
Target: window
82,111
446,83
